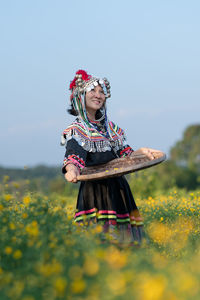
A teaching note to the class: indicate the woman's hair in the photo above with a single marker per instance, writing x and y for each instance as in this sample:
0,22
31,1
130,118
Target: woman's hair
72,111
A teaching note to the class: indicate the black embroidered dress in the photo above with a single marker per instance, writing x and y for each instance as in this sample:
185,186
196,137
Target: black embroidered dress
107,201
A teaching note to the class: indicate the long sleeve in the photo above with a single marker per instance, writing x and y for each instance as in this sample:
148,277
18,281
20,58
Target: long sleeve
125,151
75,154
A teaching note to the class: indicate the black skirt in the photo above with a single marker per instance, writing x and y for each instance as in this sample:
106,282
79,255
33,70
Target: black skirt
109,202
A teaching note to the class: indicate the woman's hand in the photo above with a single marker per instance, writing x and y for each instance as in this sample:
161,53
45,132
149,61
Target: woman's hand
148,152
72,173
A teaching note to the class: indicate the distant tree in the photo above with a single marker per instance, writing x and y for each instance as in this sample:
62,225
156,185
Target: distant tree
186,153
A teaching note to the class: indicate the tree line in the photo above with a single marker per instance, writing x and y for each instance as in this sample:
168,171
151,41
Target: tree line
181,170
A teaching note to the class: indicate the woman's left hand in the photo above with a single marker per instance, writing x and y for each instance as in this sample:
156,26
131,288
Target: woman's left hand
145,151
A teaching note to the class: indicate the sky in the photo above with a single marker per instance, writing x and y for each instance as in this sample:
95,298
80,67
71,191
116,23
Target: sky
148,50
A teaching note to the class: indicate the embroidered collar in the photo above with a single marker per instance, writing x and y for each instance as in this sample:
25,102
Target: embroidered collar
96,141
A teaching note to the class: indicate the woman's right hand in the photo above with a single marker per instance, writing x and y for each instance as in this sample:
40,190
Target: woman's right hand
72,173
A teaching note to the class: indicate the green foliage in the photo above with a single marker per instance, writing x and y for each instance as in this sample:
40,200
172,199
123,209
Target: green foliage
143,184
186,153
42,179
163,178
30,173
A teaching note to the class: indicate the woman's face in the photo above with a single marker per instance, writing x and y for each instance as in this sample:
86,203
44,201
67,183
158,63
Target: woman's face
95,99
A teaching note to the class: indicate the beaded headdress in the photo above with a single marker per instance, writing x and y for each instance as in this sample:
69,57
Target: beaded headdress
81,84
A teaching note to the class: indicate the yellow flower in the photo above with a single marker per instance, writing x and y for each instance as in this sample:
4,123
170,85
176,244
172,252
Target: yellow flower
98,229
60,285
160,233
116,283
1,207
78,286
12,226
17,254
100,253
70,217
56,208
32,229
8,250
91,266
152,287
115,258
16,185
26,200
24,215
34,223
186,283
7,197
49,268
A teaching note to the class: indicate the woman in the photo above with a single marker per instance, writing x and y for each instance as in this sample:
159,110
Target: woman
91,140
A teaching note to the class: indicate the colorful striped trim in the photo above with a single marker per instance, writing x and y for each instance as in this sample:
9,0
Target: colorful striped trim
126,151
74,159
84,212
76,128
107,215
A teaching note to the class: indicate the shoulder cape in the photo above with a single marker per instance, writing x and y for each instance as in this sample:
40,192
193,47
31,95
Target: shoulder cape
91,139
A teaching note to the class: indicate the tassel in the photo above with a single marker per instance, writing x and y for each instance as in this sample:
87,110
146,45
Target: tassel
63,140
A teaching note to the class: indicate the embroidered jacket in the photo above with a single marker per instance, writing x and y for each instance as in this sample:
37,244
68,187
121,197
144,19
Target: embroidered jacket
93,146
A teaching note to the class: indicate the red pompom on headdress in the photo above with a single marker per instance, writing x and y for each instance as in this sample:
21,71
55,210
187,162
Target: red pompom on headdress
72,84
84,76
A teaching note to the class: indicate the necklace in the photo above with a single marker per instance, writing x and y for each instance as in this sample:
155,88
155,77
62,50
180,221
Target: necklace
98,120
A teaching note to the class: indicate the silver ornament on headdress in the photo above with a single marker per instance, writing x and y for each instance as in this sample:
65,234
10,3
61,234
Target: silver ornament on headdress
94,81
83,85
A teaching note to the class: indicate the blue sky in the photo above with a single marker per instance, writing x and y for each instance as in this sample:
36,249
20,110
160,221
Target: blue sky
149,51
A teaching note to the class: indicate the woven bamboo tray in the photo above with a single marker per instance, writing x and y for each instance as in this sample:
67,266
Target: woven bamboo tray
121,166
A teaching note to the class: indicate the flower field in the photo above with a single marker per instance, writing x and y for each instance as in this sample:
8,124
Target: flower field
44,255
